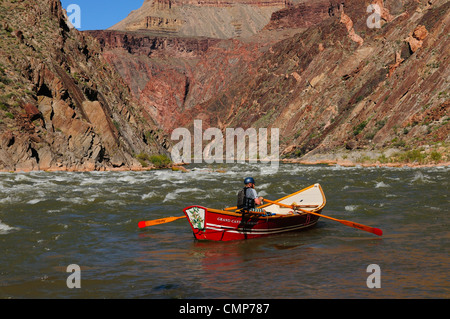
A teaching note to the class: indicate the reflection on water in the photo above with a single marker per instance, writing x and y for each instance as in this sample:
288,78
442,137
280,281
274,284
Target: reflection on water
51,220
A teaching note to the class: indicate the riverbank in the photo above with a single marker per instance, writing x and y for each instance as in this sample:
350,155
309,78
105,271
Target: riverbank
347,163
179,167
392,157
426,156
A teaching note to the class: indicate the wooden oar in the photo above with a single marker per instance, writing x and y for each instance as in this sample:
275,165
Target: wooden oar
160,221
369,229
165,220
304,206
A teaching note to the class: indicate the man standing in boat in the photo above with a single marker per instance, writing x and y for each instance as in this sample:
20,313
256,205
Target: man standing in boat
248,197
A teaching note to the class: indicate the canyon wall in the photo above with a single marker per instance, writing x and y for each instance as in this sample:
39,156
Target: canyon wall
319,71
62,106
316,70
341,84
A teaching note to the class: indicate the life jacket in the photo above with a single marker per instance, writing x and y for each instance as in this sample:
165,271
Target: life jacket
244,202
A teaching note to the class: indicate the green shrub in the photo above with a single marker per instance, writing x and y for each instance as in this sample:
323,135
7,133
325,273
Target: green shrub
398,143
160,160
412,156
383,159
143,156
358,128
436,156
143,163
10,115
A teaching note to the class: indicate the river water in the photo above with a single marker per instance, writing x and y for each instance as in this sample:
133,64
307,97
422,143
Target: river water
50,220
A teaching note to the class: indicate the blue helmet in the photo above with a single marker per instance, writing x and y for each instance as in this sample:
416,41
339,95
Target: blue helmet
249,180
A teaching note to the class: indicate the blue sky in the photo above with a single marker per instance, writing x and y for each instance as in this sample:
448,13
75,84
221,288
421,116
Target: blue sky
102,14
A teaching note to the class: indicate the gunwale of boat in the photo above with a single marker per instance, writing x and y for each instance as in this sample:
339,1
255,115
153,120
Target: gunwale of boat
310,208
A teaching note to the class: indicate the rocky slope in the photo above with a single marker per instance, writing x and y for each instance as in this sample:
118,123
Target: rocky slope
62,106
335,88
341,85
319,73
170,76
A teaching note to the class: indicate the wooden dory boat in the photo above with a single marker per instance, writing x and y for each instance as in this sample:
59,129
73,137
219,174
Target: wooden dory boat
224,225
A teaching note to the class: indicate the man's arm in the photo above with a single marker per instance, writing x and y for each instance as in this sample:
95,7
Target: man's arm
258,200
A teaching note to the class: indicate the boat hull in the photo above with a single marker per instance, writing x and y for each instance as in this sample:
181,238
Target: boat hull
220,225
231,224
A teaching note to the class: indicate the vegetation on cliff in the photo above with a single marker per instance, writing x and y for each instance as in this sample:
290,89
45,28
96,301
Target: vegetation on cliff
319,71
336,87
62,106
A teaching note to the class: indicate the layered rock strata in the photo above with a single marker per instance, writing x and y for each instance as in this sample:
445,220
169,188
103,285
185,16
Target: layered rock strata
62,106
215,19
319,72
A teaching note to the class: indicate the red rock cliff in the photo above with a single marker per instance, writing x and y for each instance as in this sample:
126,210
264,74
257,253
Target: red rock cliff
329,83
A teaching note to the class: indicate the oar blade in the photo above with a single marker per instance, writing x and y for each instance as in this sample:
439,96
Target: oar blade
160,221
377,231
142,224
369,229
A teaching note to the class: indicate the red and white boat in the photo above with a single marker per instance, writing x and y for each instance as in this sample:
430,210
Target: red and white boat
231,224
